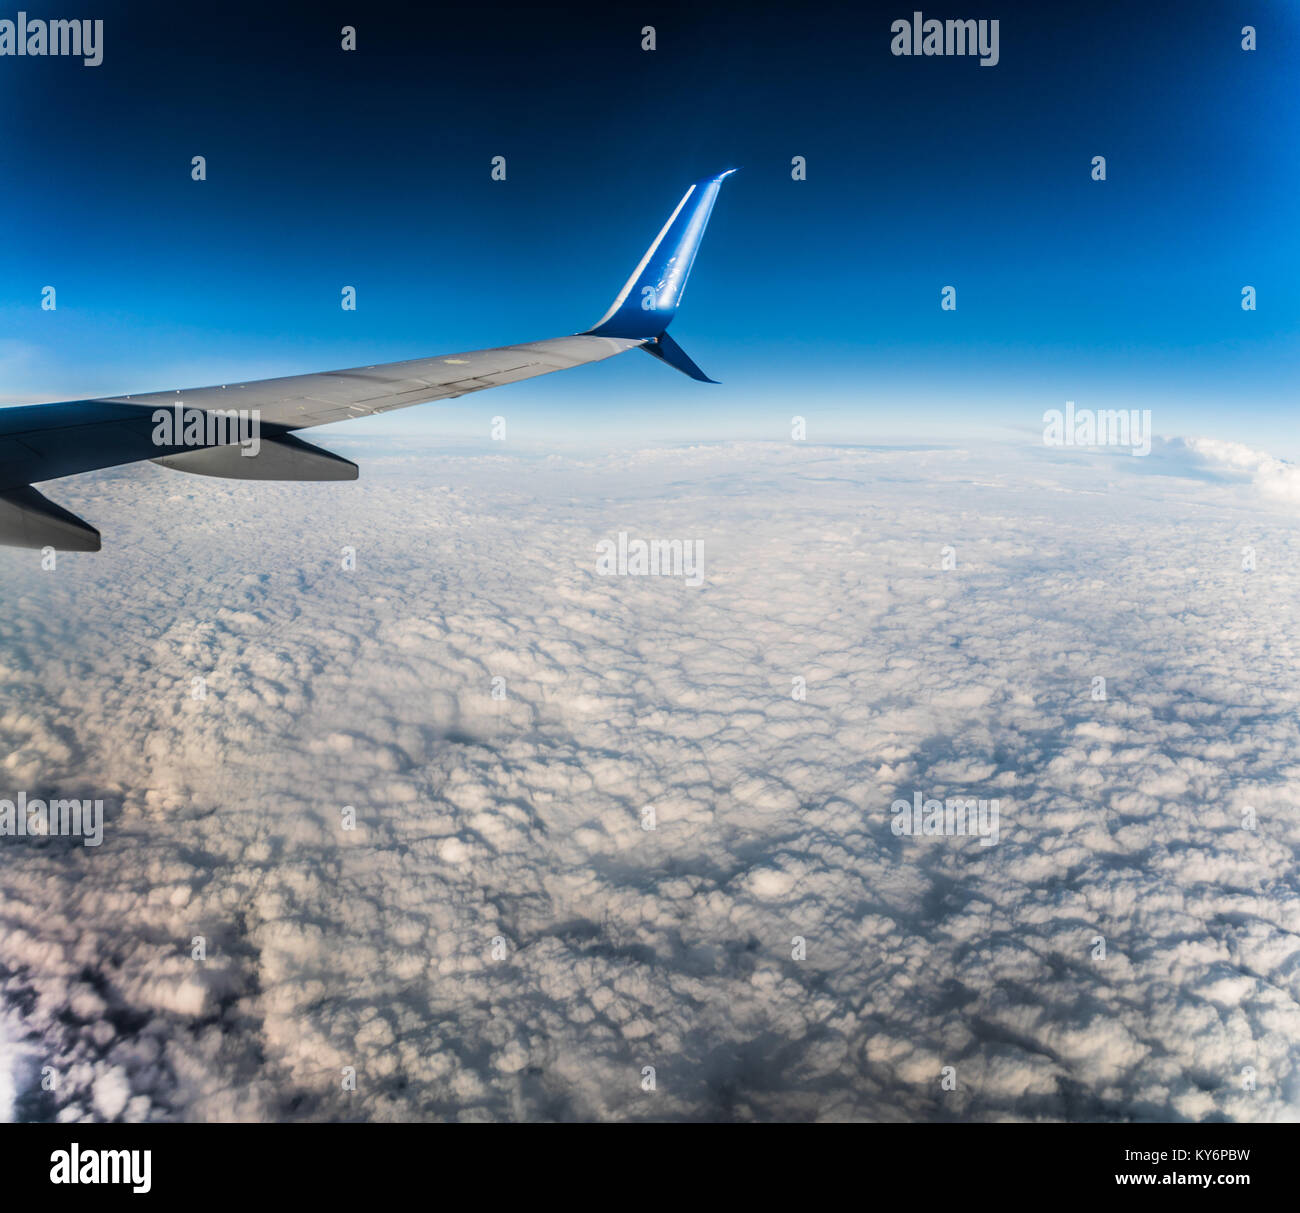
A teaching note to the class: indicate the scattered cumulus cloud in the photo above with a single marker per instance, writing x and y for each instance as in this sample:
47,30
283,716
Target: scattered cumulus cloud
500,938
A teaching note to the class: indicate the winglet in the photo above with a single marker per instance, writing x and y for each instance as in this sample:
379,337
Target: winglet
648,301
667,350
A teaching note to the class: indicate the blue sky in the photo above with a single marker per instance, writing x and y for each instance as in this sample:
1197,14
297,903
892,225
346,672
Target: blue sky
818,297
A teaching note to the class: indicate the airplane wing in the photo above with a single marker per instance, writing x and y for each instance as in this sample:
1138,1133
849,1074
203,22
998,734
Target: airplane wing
207,430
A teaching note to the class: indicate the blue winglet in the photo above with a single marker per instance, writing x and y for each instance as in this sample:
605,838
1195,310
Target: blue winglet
648,302
667,350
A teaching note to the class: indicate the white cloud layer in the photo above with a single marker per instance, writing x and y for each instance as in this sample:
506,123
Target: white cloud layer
522,819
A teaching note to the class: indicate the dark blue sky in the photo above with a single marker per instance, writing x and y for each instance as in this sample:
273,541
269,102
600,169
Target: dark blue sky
821,297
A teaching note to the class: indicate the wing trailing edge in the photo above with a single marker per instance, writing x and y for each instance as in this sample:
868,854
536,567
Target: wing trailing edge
282,457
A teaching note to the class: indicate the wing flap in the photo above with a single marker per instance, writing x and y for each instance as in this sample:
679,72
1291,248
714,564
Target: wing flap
280,458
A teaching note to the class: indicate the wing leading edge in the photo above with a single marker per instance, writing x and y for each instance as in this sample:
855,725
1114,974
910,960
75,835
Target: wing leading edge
40,442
